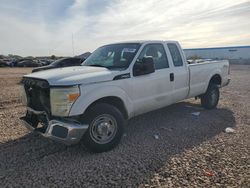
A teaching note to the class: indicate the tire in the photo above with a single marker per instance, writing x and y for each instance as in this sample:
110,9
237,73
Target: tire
106,125
210,99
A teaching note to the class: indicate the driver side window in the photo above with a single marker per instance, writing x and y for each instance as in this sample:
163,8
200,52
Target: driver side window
157,52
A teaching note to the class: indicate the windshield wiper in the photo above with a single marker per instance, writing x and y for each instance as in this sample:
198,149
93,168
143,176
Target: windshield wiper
108,67
116,67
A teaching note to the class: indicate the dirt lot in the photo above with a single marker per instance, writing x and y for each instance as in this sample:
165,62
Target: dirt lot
191,151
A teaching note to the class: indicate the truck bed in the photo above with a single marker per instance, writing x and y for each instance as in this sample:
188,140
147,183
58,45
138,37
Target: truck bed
200,74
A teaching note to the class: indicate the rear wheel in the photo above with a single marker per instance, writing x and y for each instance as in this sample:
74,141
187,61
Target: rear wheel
105,130
210,99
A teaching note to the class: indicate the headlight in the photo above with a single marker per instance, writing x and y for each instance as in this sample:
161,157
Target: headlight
61,100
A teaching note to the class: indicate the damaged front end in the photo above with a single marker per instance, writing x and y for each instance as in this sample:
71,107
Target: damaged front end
36,96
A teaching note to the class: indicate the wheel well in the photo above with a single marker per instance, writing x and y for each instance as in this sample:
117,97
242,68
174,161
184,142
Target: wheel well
115,101
216,79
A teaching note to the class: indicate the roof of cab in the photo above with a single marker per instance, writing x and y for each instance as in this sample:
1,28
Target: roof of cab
145,41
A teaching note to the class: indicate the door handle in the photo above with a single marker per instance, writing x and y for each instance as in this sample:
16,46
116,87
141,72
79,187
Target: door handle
171,77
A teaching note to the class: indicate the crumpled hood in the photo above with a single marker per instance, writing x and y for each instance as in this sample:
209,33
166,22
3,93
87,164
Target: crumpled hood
75,75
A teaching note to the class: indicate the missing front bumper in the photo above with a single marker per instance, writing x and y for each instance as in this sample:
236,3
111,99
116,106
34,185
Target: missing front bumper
67,132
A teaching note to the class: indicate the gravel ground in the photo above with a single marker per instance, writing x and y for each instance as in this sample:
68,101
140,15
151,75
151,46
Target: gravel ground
191,151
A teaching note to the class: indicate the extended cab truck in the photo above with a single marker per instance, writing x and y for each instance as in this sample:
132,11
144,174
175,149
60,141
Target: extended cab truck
117,82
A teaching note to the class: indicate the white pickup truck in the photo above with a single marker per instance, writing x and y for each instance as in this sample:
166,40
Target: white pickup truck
117,82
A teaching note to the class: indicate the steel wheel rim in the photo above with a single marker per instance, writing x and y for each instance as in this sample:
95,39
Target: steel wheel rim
103,129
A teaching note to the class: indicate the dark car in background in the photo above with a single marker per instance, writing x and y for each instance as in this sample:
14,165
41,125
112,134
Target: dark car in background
64,62
28,63
4,63
45,62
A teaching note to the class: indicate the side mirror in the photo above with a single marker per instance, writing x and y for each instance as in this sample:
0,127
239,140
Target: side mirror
145,66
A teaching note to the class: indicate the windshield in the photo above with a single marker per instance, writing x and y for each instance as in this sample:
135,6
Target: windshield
113,56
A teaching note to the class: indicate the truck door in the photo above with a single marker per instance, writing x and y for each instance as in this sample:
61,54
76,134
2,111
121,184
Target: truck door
179,74
154,90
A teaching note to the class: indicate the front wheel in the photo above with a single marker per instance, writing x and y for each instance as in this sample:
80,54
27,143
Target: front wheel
105,130
210,99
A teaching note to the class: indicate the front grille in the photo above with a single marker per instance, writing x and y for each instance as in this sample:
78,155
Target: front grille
38,94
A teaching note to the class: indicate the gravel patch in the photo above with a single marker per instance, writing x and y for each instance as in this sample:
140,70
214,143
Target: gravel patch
188,151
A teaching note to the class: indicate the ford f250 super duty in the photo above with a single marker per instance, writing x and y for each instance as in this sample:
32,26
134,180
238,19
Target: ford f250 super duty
91,103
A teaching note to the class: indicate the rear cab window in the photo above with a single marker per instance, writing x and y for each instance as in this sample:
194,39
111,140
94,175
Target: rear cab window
175,54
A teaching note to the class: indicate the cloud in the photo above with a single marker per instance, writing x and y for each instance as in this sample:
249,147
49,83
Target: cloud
46,27
192,22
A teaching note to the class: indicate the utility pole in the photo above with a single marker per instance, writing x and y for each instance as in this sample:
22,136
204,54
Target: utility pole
73,50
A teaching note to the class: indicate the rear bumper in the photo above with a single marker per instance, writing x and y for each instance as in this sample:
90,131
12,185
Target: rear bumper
64,131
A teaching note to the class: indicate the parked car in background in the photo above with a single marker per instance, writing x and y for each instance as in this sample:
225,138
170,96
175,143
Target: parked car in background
64,62
5,63
15,62
84,56
28,63
44,62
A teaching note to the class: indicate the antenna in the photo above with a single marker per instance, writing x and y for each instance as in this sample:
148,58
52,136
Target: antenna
73,50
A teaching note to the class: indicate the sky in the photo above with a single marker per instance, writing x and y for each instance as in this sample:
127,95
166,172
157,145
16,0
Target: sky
46,27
